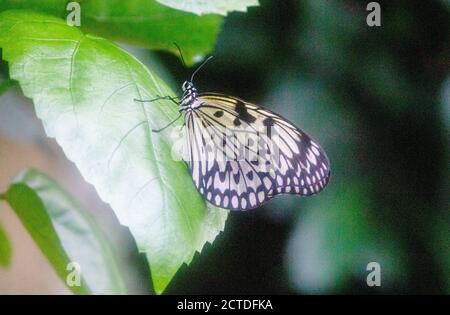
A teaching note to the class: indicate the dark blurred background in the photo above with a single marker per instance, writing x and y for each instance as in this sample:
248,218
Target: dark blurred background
376,98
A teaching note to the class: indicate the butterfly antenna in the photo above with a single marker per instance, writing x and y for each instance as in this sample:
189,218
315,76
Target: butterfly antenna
199,67
181,54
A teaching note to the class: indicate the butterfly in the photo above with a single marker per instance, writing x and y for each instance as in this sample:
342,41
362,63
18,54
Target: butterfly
241,155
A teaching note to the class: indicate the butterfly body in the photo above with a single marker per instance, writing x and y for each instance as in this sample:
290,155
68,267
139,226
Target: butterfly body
241,155
189,100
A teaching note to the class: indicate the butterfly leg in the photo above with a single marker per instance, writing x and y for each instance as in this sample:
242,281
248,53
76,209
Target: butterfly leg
167,97
169,124
182,126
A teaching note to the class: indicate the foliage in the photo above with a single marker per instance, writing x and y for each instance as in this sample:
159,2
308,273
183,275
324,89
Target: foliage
65,233
140,22
5,249
108,134
370,95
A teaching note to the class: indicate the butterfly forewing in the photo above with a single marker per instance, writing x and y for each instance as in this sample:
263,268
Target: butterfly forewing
241,155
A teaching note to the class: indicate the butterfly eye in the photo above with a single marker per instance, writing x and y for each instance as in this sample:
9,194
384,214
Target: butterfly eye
185,85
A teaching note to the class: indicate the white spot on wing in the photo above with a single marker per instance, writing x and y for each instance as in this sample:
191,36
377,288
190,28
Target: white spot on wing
234,201
261,196
267,182
279,180
225,201
311,157
252,199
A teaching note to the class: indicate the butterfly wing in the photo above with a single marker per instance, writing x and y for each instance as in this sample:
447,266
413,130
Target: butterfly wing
241,155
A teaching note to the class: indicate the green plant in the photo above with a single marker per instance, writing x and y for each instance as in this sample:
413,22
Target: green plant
107,134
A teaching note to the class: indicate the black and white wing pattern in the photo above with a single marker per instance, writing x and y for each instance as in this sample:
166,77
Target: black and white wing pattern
241,155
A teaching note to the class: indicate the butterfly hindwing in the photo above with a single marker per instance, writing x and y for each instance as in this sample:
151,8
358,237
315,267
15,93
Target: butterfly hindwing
241,155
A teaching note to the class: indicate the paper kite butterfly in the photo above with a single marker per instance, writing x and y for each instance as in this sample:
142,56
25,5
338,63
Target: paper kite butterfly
241,155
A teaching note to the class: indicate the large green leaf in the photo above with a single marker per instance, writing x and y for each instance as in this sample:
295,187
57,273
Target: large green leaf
207,6
65,233
5,249
142,22
83,88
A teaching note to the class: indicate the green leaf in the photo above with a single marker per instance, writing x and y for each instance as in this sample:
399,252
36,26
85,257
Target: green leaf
83,89
65,233
5,249
141,22
200,7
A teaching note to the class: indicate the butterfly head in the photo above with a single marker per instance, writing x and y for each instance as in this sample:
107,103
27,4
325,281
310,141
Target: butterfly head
189,92
188,85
